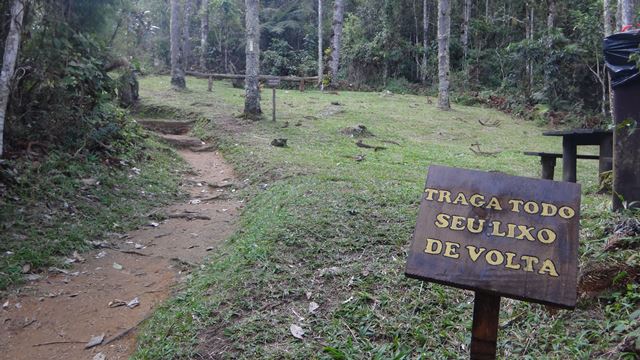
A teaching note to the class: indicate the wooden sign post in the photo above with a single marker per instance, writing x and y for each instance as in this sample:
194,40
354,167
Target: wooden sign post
273,83
498,235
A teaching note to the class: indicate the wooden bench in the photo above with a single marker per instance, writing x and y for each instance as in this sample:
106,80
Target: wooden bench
548,161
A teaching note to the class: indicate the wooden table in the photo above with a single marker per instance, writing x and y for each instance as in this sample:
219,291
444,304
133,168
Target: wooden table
571,139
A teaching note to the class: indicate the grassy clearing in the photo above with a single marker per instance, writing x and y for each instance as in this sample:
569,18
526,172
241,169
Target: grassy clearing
322,227
59,203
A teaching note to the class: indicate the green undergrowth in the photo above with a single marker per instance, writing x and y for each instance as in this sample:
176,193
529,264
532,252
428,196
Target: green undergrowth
58,203
321,227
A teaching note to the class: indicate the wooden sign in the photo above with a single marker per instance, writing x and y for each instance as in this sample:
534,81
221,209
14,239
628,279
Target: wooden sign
273,82
498,234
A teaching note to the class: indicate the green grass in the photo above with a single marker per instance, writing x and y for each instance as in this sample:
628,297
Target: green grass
312,207
48,212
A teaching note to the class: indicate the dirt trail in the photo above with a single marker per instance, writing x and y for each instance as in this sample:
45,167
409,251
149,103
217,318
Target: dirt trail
54,317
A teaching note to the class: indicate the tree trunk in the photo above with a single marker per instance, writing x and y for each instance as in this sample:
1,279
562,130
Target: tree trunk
529,34
444,33
204,34
186,50
627,13
551,20
11,48
608,30
320,52
336,40
252,98
486,10
425,39
464,37
177,66
606,14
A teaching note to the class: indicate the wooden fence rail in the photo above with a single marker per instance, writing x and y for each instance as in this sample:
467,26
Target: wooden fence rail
242,76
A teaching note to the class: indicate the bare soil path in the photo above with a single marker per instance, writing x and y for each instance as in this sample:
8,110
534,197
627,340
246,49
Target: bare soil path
54,317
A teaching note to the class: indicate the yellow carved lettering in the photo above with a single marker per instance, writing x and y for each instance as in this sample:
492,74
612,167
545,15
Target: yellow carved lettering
450,250
547,236
442,220
434,247
477,200
430,193
548,267
460,199
566,212
496,229
476,230
494,204
457,223
529,262
494,257
510,264
515,205
474,252
444,195
531,207
525,232
548,210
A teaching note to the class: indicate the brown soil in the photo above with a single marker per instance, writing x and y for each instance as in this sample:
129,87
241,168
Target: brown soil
54,317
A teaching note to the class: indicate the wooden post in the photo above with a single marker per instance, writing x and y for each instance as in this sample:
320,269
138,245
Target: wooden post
210,87
548,166
273,97
302,85
569,158
484,332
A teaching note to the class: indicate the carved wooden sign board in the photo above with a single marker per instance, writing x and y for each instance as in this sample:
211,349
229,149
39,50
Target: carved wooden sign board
511,236
273,82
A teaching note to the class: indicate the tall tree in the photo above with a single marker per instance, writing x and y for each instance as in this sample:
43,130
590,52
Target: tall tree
336,40
553,12
551,23
530,31
186,21
464,36
444,33
204,34
425,39
177,65
252,98
320,51
606,15
608,30
11,48
627,12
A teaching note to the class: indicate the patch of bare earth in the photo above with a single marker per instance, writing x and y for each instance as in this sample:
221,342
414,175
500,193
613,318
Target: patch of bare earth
111,290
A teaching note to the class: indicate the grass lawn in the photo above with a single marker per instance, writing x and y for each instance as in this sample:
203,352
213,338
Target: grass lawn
322,227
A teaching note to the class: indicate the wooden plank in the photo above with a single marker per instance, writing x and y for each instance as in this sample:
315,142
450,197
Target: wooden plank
273,82
557,156
506,235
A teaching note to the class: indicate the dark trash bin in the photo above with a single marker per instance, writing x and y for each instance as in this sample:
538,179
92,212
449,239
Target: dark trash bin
625,82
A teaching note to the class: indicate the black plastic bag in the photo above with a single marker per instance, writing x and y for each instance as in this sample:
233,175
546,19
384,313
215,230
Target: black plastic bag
617,50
